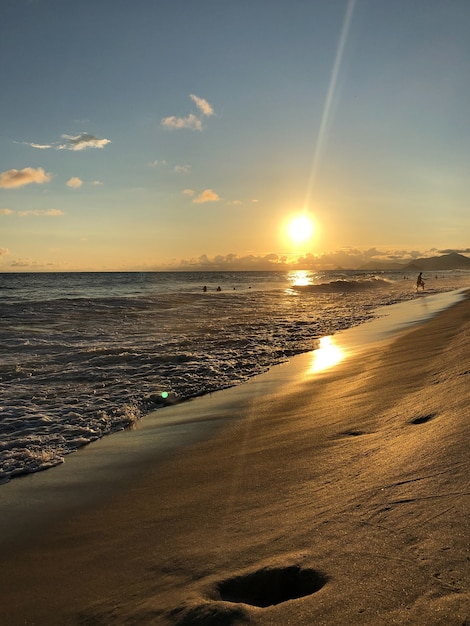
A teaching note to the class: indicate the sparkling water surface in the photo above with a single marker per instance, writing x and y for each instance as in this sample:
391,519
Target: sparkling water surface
86,354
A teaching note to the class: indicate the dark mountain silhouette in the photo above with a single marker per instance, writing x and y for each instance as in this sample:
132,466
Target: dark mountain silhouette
381,266
451,261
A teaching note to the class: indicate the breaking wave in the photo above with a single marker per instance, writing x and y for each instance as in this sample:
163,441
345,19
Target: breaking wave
346,286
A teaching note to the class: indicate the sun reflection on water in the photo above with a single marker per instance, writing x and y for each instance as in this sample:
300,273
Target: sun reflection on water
327,355
300,278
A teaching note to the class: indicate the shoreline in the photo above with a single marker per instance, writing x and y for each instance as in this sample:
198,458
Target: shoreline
300,455
117,457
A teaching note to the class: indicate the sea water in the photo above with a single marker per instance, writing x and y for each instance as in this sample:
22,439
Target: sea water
85,354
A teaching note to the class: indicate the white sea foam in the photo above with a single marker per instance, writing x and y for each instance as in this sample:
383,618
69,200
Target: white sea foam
83,355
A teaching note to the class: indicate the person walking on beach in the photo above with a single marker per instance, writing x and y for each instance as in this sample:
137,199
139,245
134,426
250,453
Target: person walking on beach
420,282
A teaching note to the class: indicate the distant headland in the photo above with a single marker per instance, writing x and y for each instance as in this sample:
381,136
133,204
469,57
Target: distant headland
451,261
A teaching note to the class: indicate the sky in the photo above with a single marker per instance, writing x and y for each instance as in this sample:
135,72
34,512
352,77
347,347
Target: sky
188,134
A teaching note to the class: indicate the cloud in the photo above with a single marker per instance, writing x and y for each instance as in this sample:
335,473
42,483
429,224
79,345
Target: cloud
82,141
18,178
202,105
206,196
40,146
41,213
234,262
179,169
72,142
182,169
74,182
4,251
6,211
192,121
456,250
189,192
348,258
28,263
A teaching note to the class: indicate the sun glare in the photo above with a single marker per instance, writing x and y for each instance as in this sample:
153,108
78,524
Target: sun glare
300,229
327,355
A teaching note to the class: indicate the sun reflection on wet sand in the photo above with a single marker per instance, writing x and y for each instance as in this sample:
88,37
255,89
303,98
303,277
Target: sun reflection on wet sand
327,355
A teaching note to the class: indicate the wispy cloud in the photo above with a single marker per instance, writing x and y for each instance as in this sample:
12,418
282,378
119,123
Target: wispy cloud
74,182
4,251
12,179
72,142
205,108
178,168
189,192
83,141
206,196
30,263
41,213
182,169
6,211
40,146
177,123
191,121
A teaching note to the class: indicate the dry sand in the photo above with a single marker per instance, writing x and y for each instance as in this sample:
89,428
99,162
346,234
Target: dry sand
348,488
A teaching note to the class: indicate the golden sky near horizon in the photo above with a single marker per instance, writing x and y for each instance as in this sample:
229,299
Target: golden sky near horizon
174,134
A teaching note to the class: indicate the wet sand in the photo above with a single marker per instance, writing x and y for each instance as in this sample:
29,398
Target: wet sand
307,496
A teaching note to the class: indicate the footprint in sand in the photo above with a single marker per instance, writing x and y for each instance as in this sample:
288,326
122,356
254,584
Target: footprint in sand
270,586
229,599
422,419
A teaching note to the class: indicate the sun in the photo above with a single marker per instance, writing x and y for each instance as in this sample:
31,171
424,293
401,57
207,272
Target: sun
300,229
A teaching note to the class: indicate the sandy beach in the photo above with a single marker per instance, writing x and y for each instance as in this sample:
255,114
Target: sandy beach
307,496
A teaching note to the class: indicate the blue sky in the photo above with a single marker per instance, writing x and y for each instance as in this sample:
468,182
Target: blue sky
153,135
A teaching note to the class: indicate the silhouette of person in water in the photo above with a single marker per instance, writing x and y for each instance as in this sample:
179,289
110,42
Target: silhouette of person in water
420,281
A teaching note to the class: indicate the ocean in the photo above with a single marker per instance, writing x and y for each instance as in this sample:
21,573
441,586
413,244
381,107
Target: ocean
83,355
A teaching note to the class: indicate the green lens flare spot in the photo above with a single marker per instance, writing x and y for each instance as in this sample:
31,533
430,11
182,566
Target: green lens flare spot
164,395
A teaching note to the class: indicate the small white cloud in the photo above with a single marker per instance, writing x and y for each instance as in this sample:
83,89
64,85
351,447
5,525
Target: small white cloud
234,202
18,178
4,251
96,183
176,123
41,213
193,122
40,146
157,163
189,192
206,196
72,142
205,108
74,182
182,169
6,211
83,141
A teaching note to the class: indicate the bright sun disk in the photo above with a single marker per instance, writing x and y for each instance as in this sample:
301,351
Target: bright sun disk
300,228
